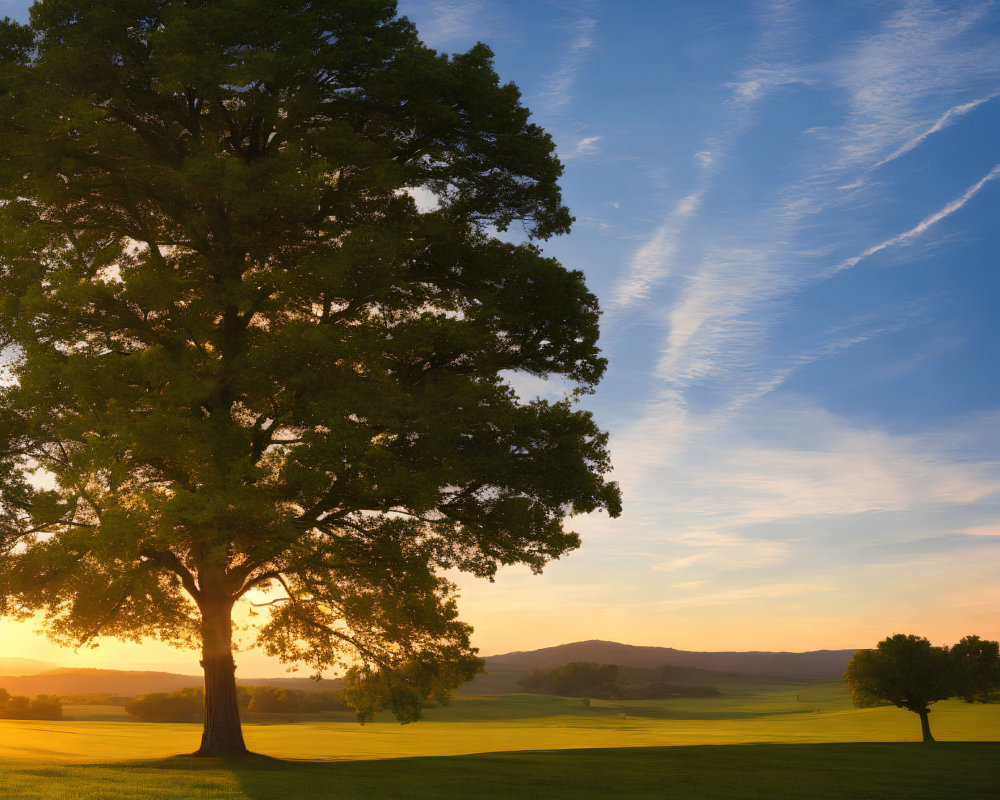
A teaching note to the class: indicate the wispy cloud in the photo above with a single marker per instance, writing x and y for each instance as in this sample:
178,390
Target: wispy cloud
798,462
924,224
921,51
442,22
712,323
832,342
704,158
584,147
949,117
718,341
982,530
557,93
770,591
729,553
653,261
720,317
862,472
718,328
942,122
674,564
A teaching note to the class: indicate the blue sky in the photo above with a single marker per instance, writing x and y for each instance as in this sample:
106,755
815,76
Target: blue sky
788,210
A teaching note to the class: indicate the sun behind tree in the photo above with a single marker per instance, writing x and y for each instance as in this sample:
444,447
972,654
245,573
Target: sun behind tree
242,358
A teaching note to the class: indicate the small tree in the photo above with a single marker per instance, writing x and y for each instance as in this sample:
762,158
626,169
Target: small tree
45,707
977,669
246,361
184,705
40,707
905,671
272,700
581,678
17,707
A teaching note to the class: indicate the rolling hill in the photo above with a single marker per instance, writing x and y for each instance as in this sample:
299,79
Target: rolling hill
502,671
812,664
128,683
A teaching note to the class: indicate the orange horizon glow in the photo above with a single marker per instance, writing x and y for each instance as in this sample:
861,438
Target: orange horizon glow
525,612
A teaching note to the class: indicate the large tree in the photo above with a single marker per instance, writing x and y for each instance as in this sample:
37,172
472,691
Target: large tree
241,359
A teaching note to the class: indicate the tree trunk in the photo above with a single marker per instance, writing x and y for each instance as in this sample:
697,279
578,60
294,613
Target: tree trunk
925,726
222,734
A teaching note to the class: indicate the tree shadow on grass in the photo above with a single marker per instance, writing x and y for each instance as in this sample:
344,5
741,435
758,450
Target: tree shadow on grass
862,771
264,777
857,770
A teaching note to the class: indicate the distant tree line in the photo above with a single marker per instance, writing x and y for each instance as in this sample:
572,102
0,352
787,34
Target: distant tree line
93,699
612,682
184,705
908,672
188,705
40,707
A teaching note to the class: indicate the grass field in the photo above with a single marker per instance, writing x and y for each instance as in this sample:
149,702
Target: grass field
959,771
531,745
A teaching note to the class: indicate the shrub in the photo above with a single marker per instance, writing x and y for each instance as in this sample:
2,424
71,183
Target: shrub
40,707
272,700
185,705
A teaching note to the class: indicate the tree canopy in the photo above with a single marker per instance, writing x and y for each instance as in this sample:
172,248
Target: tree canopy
977,669
240,359
910,673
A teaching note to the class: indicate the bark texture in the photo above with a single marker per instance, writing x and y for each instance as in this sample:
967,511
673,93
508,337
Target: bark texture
222,734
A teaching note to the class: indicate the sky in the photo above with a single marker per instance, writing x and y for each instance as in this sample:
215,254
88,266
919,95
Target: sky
789,213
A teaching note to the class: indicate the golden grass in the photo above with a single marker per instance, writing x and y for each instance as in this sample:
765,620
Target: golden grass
522,722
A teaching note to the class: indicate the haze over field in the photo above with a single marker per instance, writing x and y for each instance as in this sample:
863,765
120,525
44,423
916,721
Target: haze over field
24,666
788,211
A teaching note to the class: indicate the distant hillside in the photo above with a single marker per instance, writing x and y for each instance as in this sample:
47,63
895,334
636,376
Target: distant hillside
503,671
120,682
24,666
812,664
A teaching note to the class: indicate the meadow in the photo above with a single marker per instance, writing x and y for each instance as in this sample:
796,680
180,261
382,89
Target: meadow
769,740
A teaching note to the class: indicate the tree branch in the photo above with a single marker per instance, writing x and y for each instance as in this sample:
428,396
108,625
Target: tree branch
172,562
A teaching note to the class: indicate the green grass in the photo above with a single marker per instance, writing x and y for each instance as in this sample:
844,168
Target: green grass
915,771
768,740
